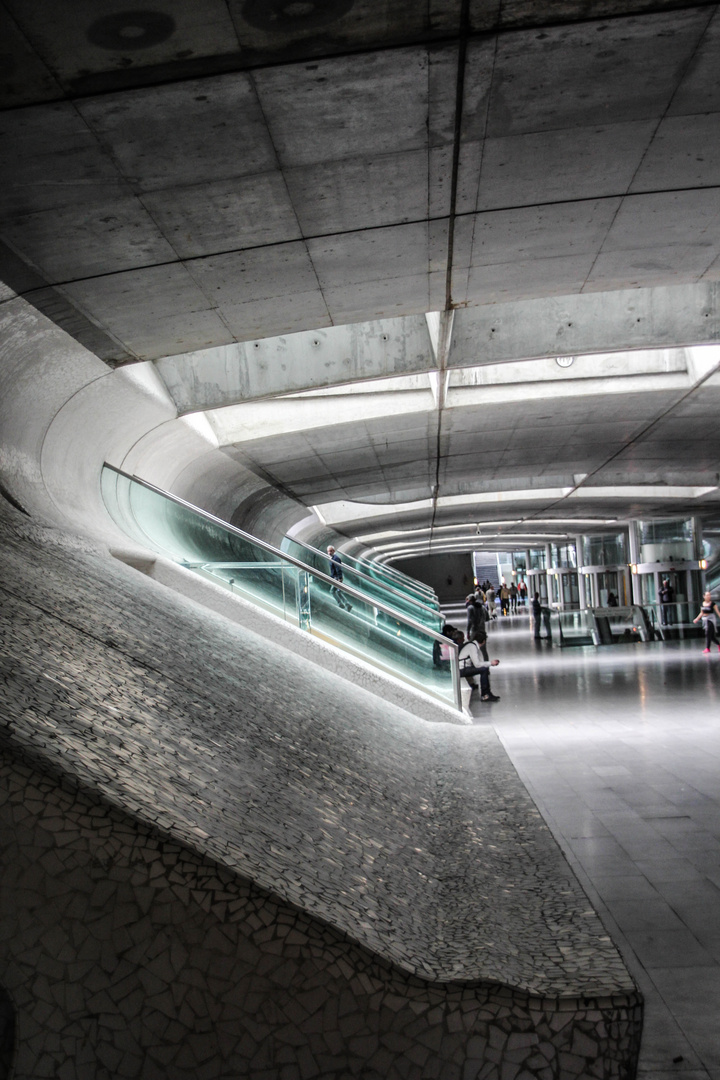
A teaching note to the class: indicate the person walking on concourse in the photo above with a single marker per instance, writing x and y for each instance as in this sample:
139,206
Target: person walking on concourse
709,613
667,597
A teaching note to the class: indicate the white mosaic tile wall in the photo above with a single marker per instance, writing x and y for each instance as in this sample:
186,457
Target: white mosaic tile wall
127,955
226,861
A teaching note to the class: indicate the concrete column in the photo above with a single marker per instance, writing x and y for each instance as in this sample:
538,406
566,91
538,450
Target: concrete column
697,537
634,553
581,580
548,575
698,553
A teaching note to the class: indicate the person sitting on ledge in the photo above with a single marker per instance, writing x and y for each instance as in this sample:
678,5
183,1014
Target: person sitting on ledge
472,664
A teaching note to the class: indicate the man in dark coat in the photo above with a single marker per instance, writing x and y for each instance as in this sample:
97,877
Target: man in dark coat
476,628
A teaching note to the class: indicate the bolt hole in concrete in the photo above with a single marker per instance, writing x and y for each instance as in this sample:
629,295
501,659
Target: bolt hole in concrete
293,14
131,30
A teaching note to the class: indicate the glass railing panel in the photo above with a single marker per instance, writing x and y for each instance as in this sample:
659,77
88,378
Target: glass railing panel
371,587
300,594
674,621
392,577
378,636
624,623
396,577
273,586
196,541
573,627
383,572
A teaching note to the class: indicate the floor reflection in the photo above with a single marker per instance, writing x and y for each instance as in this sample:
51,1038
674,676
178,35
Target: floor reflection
620,747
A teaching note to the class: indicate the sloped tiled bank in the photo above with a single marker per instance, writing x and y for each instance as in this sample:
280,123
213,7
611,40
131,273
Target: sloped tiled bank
226,863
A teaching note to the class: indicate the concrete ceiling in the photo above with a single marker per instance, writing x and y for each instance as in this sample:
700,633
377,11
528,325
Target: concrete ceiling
615,436
259,196
178,178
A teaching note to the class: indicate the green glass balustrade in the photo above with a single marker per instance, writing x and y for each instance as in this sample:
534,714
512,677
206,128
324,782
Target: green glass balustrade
371,587
386,575
300,594
396,577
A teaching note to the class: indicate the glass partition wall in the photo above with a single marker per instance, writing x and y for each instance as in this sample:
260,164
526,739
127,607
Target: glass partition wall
298,593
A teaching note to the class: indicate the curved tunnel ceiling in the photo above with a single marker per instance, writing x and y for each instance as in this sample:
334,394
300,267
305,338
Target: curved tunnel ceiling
531,447
237,210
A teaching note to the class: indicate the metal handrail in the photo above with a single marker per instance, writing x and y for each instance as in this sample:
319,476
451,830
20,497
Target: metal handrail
392,571
284,557
387,571
351,569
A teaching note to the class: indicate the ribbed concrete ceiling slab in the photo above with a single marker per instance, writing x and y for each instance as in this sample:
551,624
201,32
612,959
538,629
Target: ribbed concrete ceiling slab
606,437
265,197
271,168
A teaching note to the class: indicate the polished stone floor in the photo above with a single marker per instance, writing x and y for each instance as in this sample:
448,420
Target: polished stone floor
620,748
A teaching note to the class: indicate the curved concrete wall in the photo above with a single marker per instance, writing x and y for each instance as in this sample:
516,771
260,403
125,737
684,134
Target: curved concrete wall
63,412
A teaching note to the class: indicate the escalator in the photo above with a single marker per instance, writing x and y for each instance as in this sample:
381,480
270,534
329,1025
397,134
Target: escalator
356,615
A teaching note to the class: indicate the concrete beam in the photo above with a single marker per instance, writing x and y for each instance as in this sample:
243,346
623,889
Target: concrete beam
632,319
659,317
214,378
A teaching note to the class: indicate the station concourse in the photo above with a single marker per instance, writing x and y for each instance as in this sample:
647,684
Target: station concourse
619,748
412,281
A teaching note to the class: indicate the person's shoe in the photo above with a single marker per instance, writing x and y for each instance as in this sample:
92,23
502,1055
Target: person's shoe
348,607
706,650
490,697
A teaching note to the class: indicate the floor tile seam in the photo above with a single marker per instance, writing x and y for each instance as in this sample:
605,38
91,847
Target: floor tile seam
619,794
688,1034
628,841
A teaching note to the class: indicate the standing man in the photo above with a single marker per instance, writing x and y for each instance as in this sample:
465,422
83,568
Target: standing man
536,609
490,601
337,575
476,629
667,599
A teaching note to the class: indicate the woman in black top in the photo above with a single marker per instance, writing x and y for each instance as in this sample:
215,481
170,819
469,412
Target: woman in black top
708,613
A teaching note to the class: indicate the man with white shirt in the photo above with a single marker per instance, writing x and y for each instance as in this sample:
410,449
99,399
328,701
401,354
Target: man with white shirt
472,664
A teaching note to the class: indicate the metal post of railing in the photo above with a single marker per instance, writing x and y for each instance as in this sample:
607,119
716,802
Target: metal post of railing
594,630
455,670
303,600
